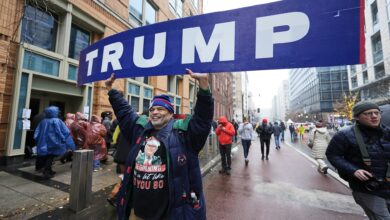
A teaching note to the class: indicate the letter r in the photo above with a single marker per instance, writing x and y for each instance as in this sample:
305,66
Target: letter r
266,38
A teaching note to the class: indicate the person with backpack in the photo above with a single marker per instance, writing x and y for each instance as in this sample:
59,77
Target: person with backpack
283,127
264,131
171,188
277,131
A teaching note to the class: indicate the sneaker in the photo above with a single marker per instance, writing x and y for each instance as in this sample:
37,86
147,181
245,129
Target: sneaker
246,162
47,175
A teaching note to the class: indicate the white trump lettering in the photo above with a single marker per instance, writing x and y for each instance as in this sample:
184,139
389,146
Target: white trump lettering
223,36
158,54
111,54
297,22
89,58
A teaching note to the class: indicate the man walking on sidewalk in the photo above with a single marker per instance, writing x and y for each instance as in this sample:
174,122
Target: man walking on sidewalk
361,154
277,130
264,131
225,132
246,132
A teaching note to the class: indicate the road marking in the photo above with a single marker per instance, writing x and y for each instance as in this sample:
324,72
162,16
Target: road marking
330,172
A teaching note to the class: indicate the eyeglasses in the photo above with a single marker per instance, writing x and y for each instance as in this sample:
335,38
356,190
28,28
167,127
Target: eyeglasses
376,113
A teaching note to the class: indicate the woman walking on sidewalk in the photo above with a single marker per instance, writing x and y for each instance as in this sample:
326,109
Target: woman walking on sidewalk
318,140
246,131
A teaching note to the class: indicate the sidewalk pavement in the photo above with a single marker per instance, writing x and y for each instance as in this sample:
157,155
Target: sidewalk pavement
24,194
286,184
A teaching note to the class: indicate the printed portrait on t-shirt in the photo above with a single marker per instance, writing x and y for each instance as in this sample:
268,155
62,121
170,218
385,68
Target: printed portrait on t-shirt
148,157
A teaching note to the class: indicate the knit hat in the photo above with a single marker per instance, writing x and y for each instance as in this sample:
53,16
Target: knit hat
264,120
162,100
362,107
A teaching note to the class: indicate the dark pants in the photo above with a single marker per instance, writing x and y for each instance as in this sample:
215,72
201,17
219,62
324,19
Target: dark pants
246,144
40,162
282,135
266,142
226,159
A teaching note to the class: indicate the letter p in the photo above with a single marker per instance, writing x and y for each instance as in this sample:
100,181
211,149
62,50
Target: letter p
266,38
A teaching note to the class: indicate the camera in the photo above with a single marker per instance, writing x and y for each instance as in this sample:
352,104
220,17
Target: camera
374,184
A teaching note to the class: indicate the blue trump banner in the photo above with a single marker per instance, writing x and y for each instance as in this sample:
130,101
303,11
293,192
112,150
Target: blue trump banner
285,34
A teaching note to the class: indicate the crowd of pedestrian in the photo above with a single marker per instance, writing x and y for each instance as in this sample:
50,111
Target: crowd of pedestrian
57,138
145,146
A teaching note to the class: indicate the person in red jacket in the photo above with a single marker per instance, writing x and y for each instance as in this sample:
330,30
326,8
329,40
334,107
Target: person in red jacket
225,132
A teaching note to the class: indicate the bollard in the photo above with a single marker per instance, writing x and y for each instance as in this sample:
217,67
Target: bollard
81,180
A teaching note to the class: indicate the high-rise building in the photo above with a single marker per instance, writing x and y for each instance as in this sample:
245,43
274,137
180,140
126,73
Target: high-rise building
281,102
372,79
40,43
314,91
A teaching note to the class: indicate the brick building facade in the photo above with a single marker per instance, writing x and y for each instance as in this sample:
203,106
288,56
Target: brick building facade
40,43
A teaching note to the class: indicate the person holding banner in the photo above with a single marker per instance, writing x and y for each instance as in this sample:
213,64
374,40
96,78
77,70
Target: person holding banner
172,188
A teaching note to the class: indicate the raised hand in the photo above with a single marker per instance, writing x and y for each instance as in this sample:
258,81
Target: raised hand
110,81
203,78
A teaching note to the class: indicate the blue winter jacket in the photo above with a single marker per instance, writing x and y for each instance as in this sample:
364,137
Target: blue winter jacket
344,154
183,139
52,135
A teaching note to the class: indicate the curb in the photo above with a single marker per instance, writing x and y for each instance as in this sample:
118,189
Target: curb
212,163
330,172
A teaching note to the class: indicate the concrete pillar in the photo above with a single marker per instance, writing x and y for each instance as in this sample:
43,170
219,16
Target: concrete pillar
81,180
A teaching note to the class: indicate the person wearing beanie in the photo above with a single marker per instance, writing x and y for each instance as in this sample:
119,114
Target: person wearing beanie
265,132
149,187
360,154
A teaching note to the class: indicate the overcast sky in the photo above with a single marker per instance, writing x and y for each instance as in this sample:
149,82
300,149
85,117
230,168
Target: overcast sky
263,84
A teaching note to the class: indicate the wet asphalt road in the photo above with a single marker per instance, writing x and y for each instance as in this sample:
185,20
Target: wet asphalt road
287,186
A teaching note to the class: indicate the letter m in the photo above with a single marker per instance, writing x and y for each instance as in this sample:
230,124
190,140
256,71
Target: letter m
223,36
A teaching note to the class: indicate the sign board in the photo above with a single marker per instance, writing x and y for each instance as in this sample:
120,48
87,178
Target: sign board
279,35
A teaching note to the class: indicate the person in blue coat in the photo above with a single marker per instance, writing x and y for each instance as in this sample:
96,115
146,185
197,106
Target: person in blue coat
53,139
170,188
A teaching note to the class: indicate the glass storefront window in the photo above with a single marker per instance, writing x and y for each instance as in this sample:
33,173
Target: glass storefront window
145,107
39,28
72,72
150,17
134,89
79,39
136,10
21,106
135,103
39,63
147,93
177,7
336,86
